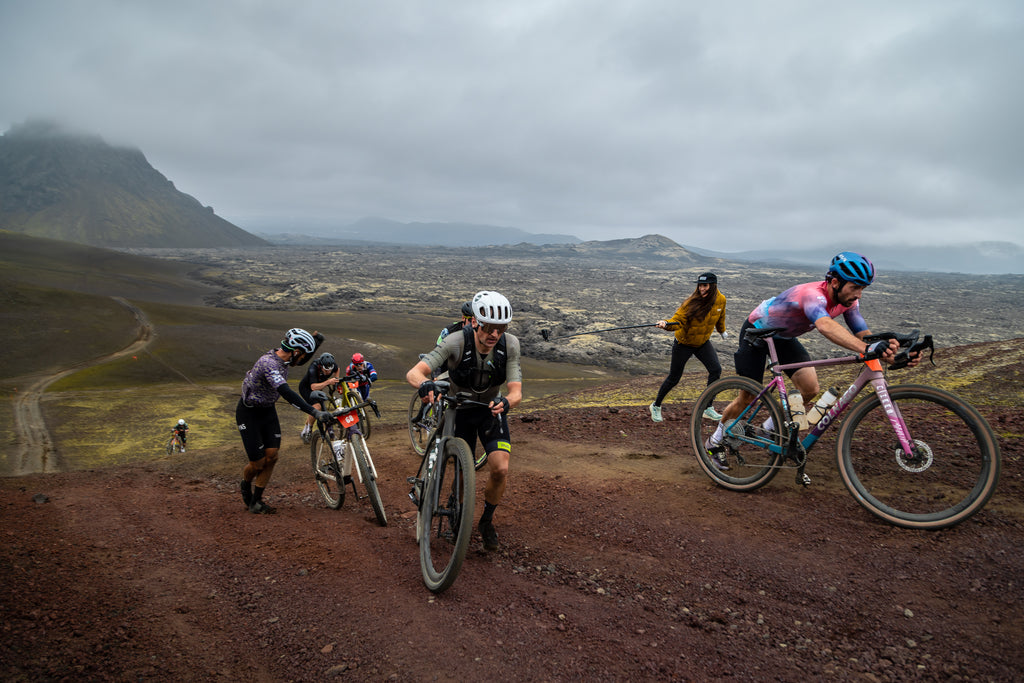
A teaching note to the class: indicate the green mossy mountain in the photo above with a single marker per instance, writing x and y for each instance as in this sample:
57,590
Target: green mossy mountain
78,188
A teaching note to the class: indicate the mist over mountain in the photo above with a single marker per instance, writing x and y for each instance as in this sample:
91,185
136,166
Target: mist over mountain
76,187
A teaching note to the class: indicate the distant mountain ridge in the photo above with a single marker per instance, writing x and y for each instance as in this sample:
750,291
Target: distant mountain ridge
979,258
78,188
376,230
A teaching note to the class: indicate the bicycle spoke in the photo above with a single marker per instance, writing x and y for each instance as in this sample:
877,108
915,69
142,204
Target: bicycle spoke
737,456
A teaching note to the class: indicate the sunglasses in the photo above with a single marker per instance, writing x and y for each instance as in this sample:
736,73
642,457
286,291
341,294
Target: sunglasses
490,328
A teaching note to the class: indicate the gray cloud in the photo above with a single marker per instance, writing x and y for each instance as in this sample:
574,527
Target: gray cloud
719,125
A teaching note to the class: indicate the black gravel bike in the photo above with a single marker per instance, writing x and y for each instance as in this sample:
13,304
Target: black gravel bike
916,456
444,493
338,444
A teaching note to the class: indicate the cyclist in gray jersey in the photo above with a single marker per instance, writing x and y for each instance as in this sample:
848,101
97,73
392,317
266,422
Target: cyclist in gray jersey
479,360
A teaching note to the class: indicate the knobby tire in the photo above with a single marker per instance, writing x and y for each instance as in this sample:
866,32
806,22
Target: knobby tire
445,520
419,435
327,472
354,399
751,464
361,454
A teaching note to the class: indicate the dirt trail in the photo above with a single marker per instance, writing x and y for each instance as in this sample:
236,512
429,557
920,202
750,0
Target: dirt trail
619,561
37,452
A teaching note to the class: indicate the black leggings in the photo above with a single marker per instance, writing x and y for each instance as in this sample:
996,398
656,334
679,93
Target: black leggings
681,353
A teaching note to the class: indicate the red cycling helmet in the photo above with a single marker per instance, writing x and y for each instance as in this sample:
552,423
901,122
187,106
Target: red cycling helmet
357,358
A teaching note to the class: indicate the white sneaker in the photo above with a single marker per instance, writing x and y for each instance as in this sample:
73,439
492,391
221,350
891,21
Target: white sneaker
182,450
306,435
710,414
655,412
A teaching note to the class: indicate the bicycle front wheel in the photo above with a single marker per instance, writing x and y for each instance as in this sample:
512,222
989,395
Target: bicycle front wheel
951,473
354,399
420,430
741,460
446,515
368,474
170,446
327,471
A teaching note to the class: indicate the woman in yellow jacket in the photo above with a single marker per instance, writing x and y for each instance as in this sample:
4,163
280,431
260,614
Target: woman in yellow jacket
697,317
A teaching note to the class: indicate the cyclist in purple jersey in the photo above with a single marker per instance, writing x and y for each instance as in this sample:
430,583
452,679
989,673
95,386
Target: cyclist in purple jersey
799,309
256,413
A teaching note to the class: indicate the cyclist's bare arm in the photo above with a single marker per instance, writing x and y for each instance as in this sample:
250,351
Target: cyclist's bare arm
417,375
840,336
514,396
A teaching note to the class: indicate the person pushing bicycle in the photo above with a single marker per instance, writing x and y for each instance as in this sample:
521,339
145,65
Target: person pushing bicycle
799,309
321,376
256,413
365,368
467,319
180,430
479,361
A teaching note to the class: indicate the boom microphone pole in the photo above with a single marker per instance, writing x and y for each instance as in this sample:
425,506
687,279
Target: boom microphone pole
547,333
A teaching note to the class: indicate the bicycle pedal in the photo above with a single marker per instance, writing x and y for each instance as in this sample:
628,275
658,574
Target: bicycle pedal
803,480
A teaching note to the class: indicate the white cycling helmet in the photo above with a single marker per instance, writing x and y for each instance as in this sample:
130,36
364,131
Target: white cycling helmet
491,307
181,422
297,339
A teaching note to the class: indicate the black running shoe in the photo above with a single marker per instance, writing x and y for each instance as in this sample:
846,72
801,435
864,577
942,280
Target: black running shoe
258,507
490,536
246,487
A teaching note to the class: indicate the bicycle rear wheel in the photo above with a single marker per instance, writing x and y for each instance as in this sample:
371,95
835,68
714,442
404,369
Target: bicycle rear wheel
951,474
368,474
421,430
354,399
446,515
327,471
745,462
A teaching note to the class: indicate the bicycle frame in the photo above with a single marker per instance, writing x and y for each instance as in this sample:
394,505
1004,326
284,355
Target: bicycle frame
941,476
872,374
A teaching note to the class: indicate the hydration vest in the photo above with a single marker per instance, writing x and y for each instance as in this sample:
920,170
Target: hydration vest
466,373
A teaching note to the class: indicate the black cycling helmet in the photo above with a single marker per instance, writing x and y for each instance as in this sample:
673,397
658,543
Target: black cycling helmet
851,267
467,309
326,361
317,397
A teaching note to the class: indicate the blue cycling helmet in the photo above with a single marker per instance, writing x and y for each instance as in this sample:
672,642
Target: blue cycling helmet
851,267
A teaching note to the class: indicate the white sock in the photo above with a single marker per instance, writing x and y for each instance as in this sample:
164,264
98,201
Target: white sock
716,438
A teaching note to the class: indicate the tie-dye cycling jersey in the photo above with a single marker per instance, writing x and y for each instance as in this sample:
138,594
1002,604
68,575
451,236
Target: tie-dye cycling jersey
796,309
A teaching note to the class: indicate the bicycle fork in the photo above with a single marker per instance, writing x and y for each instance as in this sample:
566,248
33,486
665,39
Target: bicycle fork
417,483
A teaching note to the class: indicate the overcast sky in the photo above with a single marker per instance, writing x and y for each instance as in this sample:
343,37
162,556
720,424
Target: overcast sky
724,125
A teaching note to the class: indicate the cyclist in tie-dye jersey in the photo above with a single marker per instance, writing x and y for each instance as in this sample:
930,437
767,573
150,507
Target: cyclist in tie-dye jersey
800,309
